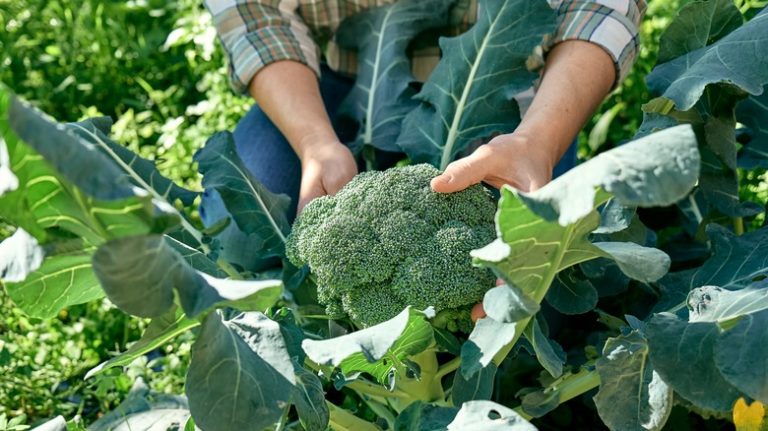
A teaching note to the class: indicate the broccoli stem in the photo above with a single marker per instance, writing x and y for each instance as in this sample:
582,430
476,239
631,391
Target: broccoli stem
342,420
448,367
428,387
538,294
570,386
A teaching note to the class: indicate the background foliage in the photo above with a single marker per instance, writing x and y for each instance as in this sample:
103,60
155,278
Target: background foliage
155,67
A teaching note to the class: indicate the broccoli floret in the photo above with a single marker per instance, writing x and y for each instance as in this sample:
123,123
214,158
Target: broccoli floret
386,241
455,320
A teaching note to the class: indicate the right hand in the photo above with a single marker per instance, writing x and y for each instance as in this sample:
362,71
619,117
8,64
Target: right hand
325,169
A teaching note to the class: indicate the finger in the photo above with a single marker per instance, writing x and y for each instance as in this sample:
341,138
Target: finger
311,188
336,183
460,174
499,282
478,312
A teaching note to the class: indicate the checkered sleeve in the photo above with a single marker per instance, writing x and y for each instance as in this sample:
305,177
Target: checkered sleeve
257,33
611,24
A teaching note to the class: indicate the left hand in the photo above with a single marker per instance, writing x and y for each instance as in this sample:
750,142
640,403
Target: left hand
512,159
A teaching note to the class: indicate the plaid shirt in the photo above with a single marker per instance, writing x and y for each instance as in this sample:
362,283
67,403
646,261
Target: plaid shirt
256,33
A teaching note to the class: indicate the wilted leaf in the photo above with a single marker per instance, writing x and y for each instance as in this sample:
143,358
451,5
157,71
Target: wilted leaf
632,395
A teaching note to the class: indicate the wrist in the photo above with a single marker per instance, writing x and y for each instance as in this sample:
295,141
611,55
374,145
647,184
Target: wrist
545,142
314,145
533,148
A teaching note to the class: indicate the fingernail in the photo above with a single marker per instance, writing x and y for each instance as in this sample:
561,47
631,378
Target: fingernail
448,179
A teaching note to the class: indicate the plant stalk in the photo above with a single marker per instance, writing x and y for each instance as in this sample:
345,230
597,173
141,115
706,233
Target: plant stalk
342,420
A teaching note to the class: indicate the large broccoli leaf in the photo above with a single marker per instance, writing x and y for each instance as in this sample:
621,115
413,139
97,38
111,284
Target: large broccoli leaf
469,95
698,25
52,209
382,94
43,279
684,356
721,66
258,213
739,59
140,171
149,262
544,232
241,375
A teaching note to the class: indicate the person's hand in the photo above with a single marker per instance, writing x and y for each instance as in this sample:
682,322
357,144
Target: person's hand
512,159
325,169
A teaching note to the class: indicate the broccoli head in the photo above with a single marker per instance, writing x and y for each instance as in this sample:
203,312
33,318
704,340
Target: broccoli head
386,241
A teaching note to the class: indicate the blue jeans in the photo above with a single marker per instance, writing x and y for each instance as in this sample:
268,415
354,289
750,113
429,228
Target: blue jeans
272,161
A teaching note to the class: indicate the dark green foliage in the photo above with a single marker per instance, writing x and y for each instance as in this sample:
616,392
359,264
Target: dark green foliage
405,373
386,241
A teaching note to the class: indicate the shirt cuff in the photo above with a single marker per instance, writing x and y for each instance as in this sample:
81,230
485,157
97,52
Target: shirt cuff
614,30
255,50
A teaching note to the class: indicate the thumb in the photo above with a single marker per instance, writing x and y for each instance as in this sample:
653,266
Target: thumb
459,175
310,189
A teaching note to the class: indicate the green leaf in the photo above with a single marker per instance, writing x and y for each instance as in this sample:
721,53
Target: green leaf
550,355
235,246
240,376
740,355
683,354
420,416
256,211
139,275
632,395
194,258
469,95
310,401
628,173
488,416
714,304
615,217
382,94
739,59
544,232
571,293
373,343
96,131
44,201
753,113
477,387
43,279
697,25
159,331
78,160
637,262
737,260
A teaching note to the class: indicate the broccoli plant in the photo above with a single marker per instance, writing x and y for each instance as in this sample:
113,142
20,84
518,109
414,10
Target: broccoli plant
362,323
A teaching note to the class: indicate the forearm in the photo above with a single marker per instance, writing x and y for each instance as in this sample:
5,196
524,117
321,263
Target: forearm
577,77
288,92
